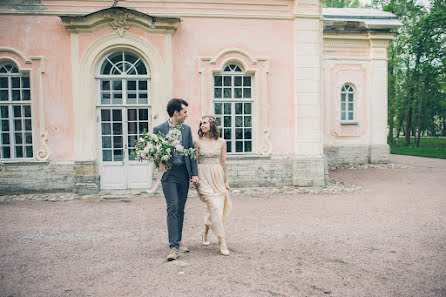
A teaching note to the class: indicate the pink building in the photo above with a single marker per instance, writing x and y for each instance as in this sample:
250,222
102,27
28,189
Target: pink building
295,87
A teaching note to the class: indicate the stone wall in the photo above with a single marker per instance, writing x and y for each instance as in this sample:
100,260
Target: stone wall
86,178
356,154
36,176
276,170
83,177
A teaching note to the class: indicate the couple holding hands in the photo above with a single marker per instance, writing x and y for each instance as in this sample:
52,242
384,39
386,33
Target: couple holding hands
207,173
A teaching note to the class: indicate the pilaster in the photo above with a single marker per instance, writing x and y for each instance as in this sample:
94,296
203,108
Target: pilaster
307,88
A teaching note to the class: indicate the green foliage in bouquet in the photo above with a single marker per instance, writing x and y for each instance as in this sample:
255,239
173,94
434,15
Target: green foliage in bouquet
160,148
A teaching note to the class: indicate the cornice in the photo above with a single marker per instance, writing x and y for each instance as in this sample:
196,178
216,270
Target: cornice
346,43
363,40
174,15
120,19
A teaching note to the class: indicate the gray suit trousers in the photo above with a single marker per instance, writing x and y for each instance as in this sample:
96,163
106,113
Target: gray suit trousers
175,189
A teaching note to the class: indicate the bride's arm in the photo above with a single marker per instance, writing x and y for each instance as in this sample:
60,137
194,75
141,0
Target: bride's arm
223,162
223,153
196,145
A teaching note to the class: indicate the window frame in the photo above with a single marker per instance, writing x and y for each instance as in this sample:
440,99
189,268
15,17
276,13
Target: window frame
233,101
124,106
347,92
11,104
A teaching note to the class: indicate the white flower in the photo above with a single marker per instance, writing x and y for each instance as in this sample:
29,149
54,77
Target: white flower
168,150
165,157
179,148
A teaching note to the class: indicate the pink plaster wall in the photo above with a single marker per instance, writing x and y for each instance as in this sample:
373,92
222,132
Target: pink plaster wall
356,74
45,36
272,39
196,37
87,39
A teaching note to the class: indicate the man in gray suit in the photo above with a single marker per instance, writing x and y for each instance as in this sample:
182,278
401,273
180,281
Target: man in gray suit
175,181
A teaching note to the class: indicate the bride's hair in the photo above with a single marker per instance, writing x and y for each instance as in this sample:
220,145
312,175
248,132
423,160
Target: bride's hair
214,133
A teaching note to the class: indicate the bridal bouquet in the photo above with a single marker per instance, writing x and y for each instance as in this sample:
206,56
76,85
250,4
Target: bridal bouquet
160,147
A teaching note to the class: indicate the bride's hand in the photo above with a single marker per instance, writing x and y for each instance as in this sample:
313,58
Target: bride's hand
161,166
227,186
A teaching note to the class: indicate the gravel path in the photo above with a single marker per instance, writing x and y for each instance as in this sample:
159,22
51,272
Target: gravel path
375,231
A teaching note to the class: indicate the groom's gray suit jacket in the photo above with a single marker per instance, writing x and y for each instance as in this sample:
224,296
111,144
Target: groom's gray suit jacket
186,135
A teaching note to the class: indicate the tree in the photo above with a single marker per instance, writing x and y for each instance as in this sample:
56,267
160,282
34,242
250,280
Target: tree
416,66
341,3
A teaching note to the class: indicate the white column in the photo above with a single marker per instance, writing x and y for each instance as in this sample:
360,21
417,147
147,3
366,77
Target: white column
379,150
309,165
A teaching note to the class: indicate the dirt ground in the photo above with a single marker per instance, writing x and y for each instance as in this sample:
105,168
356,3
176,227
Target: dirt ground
388,239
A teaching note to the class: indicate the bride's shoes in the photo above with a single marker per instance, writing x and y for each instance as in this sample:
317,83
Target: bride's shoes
223,247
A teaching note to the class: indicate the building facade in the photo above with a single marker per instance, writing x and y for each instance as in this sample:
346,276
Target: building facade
294,87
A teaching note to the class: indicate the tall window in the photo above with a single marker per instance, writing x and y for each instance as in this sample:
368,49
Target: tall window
347,103
15,114
233,108
123,103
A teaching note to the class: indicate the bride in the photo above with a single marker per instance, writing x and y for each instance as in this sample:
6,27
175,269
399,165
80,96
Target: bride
213,188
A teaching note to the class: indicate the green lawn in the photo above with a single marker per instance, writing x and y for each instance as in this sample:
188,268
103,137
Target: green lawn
433,147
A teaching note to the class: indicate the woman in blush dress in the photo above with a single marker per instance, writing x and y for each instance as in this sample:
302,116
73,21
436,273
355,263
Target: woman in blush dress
213,188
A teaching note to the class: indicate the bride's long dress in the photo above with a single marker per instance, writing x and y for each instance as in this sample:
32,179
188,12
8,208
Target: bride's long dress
212,189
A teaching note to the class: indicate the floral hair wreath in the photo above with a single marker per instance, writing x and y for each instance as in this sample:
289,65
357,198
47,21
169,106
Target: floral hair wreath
211,119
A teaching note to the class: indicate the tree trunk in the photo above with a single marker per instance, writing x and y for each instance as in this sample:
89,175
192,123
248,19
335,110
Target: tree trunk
408,126
390,136
443,130
398,132
420,106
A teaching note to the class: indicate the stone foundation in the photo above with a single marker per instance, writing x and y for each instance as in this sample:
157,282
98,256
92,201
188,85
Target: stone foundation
356,154
276,170
86,180
35,176
379,153
82,177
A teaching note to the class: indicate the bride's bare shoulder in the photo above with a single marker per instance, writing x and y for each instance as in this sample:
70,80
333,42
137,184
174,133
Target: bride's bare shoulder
221,141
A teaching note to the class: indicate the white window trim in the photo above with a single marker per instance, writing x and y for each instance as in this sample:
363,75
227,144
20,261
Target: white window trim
124,106
222,100
258,68
9,104
355,103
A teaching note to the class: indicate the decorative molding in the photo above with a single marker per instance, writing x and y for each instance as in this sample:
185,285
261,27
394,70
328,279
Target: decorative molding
380,43
259,68
173,14
346,43
268,147
232,50
120,19
43,153
27,60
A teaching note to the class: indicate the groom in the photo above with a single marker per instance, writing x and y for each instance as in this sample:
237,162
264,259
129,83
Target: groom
175,181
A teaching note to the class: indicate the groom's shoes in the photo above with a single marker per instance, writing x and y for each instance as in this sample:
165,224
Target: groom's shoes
173,254
183,248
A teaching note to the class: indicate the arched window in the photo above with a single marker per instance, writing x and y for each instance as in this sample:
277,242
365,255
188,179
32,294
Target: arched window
15,114
347,103
233,105
123,104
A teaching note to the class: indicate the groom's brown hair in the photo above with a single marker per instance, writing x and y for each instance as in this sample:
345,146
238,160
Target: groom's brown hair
175,104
